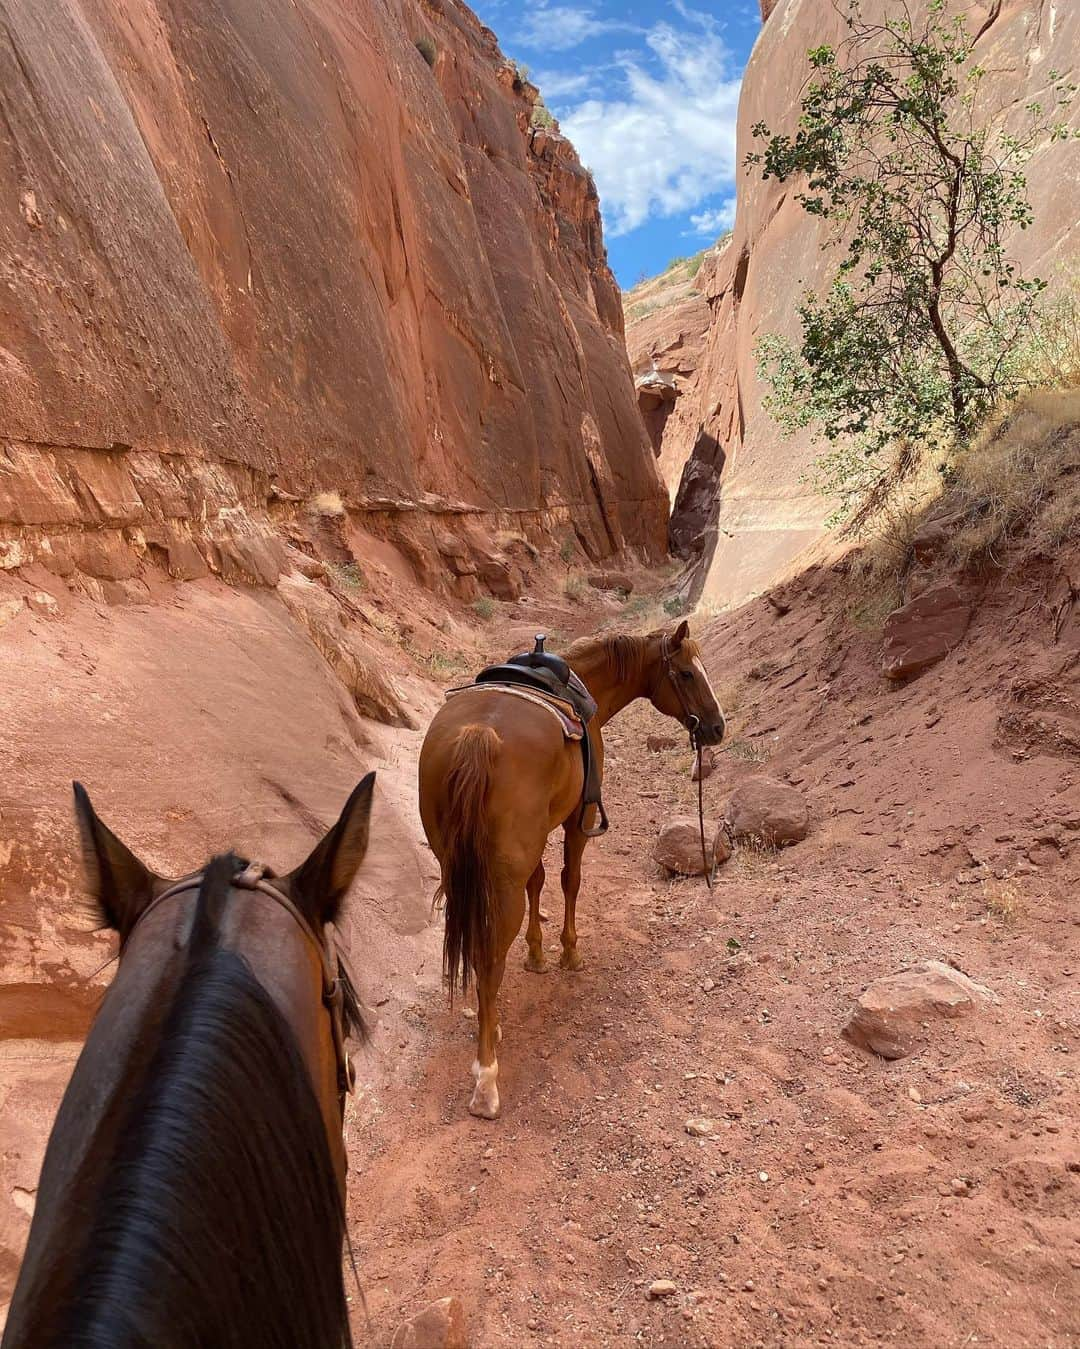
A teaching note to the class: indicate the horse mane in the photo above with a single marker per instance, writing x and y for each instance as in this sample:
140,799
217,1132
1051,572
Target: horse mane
213,1222
626,656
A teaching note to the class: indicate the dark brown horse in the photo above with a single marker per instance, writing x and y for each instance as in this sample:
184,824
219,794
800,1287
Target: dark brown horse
192,1192
497,776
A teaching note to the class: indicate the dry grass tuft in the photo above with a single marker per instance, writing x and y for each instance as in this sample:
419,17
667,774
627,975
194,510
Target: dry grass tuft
575,587
1021,477
327,503
1003,901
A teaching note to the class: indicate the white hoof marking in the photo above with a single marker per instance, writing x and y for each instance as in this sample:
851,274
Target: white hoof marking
485,1097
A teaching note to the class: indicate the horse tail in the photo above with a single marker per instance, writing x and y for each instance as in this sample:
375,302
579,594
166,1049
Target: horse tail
467,882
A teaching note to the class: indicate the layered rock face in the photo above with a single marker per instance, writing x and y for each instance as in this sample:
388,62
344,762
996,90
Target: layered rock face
768,520
255,252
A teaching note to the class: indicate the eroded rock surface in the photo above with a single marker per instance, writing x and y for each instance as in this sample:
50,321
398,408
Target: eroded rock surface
257,253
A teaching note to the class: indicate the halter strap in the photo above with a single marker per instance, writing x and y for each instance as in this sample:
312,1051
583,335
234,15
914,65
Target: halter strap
253,877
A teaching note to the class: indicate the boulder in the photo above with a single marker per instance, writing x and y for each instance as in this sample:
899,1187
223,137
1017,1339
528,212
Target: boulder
924,631
611,580
441,1325
678,845
707,766
769,811
655,743
931,537
892,1015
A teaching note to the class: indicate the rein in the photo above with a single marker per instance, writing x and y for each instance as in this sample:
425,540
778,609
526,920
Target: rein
253,877
691,722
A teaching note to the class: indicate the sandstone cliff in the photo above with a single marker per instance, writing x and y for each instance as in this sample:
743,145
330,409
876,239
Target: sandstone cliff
252,253
766,518
667,321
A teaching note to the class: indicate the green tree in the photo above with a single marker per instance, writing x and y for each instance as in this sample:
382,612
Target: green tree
917,333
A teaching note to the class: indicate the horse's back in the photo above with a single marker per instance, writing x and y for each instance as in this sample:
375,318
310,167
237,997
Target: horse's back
535,773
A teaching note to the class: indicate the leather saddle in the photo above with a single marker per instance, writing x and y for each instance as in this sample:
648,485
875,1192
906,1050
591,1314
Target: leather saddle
546,672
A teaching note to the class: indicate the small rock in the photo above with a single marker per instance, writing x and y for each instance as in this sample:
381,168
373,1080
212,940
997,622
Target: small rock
701,1128
441,1325
611,580
707,765
768,810
888,1017
660,1288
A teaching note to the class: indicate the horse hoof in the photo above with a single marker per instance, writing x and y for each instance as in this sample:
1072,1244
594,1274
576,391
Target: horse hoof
485,1098
536,965
571,960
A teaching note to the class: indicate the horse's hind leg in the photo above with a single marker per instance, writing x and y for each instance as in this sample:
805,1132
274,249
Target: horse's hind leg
534,935
485,1097
573,848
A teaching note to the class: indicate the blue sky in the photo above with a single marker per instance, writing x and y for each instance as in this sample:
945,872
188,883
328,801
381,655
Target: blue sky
648,93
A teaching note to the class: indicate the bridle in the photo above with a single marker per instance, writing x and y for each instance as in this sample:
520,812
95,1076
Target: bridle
692,722
253,877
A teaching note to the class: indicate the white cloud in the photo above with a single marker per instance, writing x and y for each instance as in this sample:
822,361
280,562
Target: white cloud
664,142
560,84
713,220
559,27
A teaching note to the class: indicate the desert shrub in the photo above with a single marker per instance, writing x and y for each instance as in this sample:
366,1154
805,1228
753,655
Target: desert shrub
575,587
348,575
427,49
328,504
484,608
541,117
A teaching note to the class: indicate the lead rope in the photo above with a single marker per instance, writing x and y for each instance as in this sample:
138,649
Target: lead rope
695,741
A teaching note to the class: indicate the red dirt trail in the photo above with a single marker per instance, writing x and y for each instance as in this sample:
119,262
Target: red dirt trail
840,1200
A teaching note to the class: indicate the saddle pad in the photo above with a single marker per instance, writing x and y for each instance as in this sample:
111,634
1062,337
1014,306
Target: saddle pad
572,728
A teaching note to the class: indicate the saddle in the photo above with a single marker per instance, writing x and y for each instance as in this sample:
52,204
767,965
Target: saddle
547,675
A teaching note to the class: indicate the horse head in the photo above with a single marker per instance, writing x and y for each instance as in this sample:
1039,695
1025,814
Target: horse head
197,1161
681,687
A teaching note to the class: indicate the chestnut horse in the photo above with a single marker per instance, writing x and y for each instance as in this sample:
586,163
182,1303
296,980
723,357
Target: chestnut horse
193,1189
497,776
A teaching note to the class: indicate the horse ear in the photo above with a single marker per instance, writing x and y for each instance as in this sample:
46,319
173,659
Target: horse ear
319,885
681,633
115,876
